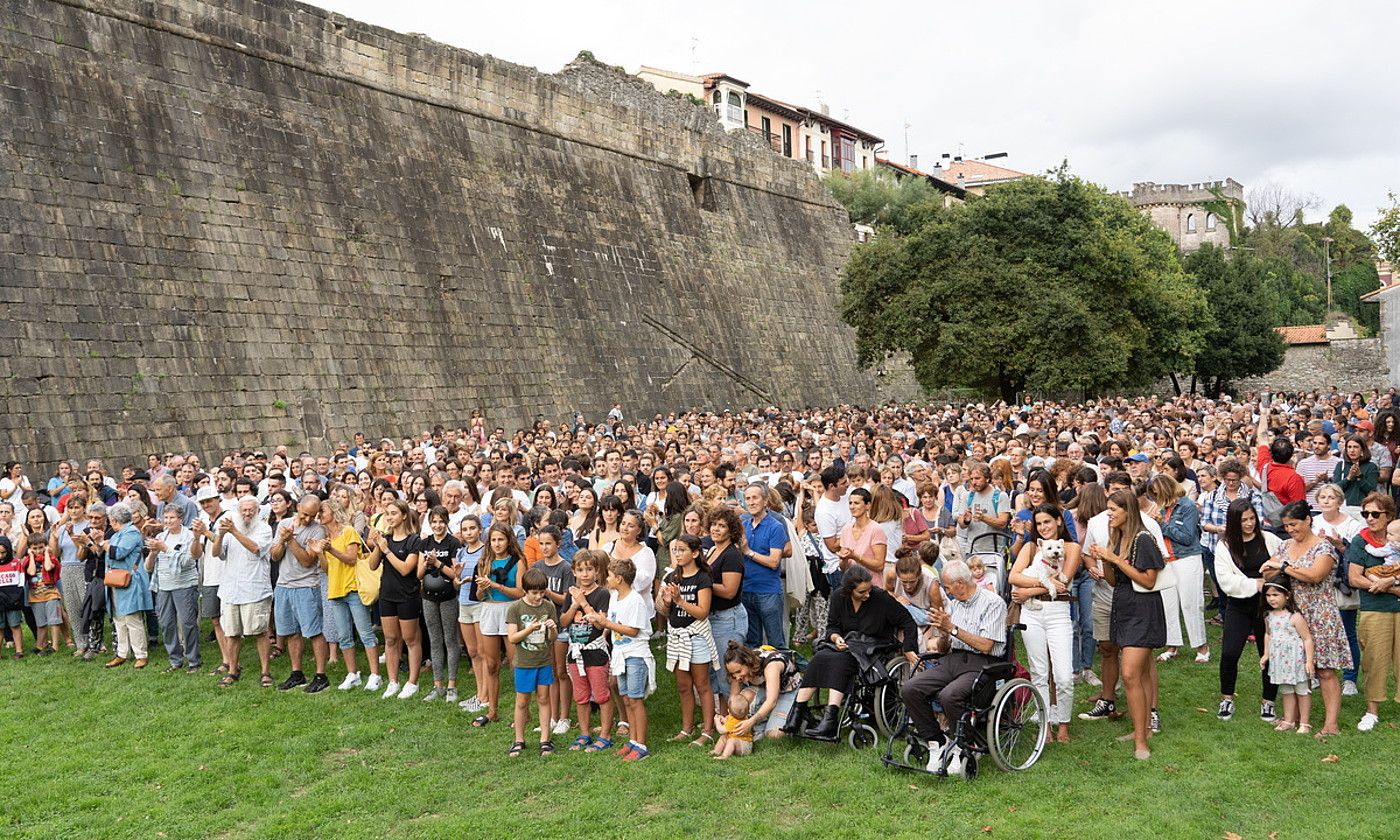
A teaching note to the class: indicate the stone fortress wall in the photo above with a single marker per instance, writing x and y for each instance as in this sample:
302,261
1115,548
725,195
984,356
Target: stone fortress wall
254,221
1179,209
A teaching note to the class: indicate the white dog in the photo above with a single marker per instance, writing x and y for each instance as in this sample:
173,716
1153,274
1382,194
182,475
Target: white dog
1048,561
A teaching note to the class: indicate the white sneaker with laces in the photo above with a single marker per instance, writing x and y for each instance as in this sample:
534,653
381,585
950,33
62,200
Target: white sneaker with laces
955,760
935,755
1367,723
471,704
409,690
374,682
561,727
1349,688
352,680
1090,678
391,690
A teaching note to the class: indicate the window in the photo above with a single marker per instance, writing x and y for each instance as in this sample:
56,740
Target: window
736,109
808,140
1210,221
700,191
787,140
766,125
848,154
1190,222
826,161
864,162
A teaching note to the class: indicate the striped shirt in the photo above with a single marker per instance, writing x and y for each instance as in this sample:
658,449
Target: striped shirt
984,614
1310,468
1214,506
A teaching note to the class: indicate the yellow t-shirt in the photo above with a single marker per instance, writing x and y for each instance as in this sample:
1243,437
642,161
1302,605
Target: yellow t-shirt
340,578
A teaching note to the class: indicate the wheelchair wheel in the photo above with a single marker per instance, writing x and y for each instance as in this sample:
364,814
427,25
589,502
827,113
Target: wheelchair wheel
889,706
916,753
1017,725
862,736
970,766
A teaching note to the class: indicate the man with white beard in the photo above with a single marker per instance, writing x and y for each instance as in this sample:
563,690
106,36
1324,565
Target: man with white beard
242,541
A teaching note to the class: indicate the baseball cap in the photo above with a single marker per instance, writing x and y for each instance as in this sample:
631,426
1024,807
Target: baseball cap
1366,424
206,493
1139,458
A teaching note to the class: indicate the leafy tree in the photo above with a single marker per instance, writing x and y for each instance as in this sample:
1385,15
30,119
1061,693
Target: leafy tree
1386,230
1238,343
877,197
1043,284
1348,285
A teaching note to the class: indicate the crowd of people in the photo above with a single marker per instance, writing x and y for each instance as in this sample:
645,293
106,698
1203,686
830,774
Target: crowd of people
578,557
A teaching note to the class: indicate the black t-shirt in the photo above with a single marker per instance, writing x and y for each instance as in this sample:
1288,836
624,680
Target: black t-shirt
1256,554
729,560
443,551
690,593
581,632
394,586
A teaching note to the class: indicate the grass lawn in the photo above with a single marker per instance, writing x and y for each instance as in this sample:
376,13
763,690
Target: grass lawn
96,753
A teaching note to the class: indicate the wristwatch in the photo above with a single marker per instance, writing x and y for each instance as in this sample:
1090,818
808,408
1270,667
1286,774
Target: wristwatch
953,632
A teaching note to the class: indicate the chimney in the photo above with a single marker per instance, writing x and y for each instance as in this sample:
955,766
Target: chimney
913,161
825,109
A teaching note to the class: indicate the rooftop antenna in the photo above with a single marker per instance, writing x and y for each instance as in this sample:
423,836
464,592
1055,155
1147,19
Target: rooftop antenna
906,144
694,61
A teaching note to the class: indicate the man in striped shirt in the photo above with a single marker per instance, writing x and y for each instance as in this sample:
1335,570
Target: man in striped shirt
1316,469
976,621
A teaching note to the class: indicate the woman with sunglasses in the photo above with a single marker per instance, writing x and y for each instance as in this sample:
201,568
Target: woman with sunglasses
1379,613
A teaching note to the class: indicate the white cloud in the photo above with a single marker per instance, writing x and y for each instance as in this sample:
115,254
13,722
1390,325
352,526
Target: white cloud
1297,91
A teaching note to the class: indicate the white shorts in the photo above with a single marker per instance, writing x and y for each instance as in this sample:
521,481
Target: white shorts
245,619
493,619
469,613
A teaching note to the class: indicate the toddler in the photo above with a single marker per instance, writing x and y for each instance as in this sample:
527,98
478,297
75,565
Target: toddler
980,576
732,742
1288,653
1389,551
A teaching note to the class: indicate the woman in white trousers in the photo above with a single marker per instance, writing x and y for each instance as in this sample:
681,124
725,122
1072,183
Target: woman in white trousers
1040,582
1181,529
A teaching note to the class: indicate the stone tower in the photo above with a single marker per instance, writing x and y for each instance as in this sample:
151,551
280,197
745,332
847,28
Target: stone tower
1179,209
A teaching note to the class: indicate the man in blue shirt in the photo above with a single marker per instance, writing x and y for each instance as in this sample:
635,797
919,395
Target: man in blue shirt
765,537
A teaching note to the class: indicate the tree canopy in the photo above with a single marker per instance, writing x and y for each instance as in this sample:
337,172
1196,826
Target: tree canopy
1237,344
877,197
1048,284
1386,230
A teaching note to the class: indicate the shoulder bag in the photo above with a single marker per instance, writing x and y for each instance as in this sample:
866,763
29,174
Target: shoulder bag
1166,576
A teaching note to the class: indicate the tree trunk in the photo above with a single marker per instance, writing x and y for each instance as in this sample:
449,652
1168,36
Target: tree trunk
1193,384
1176,384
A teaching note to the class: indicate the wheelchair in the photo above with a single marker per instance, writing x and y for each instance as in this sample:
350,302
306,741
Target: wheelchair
873,709
1007,719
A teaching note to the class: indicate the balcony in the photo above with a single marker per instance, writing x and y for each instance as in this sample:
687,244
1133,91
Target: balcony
774,141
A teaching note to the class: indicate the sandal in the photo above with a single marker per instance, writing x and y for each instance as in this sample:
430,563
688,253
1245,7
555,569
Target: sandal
222,669
599,744
1304,728
266,681
480,721
275,652
1286,726
623,729
228,680
705,739
581,742
1324,735
1166,656
683,735
516,749
546,748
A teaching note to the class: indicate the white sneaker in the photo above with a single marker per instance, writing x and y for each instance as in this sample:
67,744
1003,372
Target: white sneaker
955,760
409,690
1090,678
471,704
935,755
1349,688
1367,723
561,727
391,690
352,680
381,659
374,682
1202,658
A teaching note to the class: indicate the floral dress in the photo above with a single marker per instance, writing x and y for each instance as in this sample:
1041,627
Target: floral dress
1287,656
1319,608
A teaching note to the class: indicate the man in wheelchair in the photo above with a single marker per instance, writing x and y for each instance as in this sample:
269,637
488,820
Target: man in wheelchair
975,620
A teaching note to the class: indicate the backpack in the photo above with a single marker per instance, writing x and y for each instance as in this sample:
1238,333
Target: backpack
1269,503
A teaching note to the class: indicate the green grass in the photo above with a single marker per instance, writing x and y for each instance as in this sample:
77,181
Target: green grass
96,753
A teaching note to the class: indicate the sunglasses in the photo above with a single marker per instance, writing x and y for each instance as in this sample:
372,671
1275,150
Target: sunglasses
1372,514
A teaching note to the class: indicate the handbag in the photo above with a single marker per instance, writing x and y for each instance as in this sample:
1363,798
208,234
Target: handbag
1166,576
117,578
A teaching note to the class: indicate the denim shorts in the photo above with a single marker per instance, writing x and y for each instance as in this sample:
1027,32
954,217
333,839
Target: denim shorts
297,611
529,679
11,618
633,681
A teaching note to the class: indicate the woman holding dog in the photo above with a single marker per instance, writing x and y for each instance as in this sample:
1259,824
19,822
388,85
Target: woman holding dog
1040,581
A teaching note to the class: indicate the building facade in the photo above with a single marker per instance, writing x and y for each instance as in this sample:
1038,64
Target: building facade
1180,210
793,131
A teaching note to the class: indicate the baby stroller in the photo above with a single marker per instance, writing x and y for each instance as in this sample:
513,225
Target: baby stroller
994,551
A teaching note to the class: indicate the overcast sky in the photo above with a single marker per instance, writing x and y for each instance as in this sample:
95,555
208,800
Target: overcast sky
1303,94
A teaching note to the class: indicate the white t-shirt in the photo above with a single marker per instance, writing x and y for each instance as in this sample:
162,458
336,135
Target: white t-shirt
992,501
212,573
831,517
645,562
11,491
630,612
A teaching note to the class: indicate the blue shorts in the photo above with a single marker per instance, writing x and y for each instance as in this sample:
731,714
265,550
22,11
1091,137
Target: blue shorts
297,611
11,618
633,681
528,679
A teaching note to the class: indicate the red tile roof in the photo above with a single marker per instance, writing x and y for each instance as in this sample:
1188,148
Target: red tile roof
972,172
1310,334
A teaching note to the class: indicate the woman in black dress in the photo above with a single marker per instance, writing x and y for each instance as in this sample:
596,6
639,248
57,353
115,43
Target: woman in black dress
1138,623
857,607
